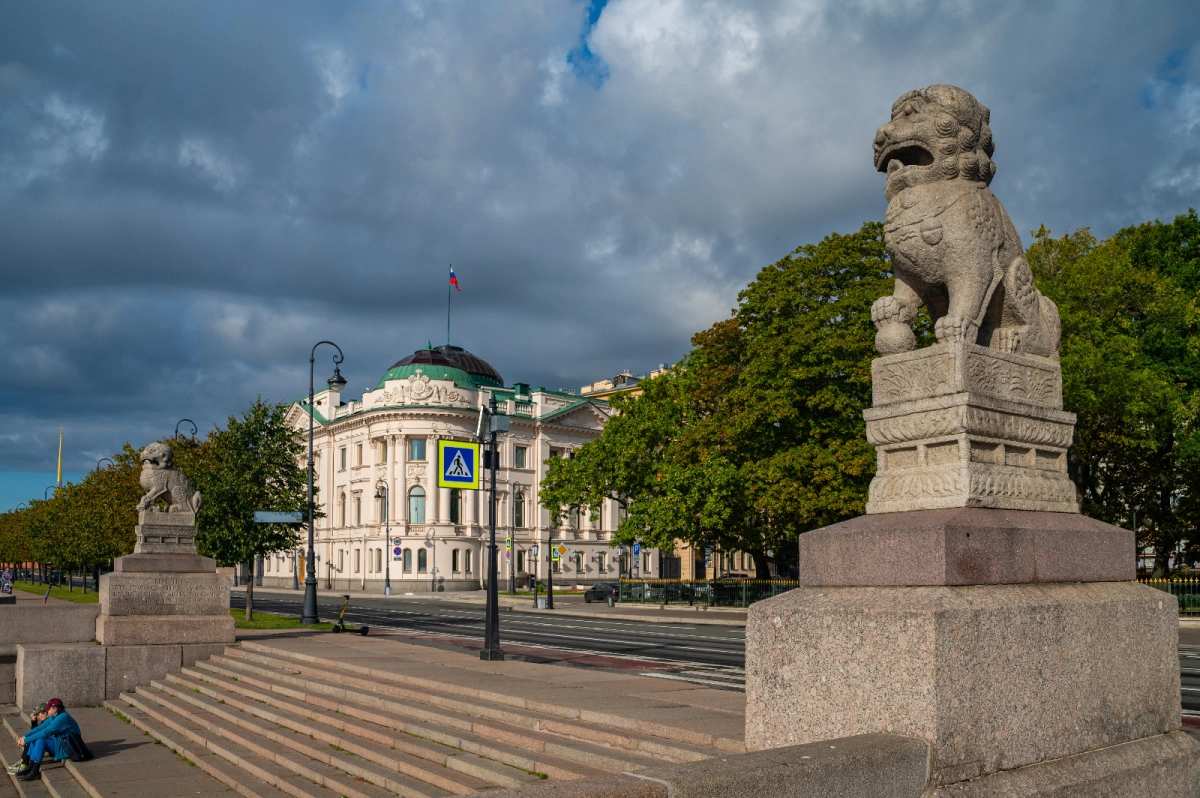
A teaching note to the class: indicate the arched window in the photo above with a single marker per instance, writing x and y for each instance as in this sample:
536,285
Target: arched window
416,506
422,561
408,560
519,510
454,561
467,560
455,506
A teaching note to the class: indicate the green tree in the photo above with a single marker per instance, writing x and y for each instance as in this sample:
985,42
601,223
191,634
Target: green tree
1131,364
252,464
757,435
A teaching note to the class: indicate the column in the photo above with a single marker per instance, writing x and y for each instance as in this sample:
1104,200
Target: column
400,484
433,493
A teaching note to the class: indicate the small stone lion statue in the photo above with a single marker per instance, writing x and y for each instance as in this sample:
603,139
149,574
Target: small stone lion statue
160,480
952,245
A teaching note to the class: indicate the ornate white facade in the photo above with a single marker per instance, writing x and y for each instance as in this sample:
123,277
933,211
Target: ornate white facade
390,437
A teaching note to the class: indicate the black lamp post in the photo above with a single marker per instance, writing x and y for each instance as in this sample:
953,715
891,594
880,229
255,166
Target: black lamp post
102,460
46,492
336,383
491,627
188,420
381,492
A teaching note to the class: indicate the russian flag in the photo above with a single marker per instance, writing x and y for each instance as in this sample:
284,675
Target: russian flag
454,280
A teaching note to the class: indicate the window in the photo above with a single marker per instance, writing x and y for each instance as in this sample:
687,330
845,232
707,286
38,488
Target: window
645,562
408,560
422,561
358,510
573,518
416,449
341,560
357,557
383,452
455,507
556,565
416,506
578,558
358,459
600,561
378,560
342,455
520,562
467,560
519,457
381,509
454,561
342,509
519,510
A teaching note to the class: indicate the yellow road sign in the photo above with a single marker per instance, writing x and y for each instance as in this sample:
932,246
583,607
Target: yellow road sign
458,465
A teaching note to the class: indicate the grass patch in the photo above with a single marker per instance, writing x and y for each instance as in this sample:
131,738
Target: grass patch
267,620
121,716
77,595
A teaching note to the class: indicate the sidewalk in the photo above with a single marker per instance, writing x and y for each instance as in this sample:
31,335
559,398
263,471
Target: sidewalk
567,606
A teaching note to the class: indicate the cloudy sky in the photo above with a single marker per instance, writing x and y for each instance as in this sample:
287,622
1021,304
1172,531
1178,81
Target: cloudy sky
193,193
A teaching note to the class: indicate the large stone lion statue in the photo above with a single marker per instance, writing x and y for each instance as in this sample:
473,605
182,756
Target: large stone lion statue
952,245
160,480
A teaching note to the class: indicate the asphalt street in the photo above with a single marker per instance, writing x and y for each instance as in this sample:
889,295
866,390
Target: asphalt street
706,654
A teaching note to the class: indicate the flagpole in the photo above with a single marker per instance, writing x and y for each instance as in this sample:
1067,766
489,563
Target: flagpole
60,430
448,308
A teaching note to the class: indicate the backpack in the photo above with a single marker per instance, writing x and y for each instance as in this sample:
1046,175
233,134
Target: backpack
77,748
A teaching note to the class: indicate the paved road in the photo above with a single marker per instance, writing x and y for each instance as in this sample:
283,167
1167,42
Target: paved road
712,655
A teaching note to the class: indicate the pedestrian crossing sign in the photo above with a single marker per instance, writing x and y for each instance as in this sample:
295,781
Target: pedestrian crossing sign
458,465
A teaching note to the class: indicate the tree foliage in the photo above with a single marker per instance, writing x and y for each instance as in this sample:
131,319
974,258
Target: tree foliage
1131,365
757,434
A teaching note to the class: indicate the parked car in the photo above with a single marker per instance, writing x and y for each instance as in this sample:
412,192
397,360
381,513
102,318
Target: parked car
601,592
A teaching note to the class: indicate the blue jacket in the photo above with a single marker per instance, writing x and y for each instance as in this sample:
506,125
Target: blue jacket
57,727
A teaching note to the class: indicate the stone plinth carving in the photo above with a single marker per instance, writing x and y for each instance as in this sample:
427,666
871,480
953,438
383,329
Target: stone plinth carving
171,530
962,425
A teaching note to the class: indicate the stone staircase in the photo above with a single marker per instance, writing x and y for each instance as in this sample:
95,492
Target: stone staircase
265,721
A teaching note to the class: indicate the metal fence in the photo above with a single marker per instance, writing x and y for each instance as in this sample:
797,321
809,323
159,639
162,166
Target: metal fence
711,593
1184,588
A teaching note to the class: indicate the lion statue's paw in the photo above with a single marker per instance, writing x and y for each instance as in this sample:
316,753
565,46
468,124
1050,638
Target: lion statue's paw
955,329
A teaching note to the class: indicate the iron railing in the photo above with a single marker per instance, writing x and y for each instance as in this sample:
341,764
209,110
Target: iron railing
710,593
1184,588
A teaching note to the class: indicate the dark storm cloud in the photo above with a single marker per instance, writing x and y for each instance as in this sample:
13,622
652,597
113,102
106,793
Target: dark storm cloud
193,194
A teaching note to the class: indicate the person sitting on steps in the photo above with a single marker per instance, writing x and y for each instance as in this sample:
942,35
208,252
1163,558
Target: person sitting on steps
49,736
35,717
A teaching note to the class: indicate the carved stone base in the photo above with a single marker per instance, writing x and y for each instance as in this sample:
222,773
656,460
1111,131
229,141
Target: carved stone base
165,533
969,426
164,594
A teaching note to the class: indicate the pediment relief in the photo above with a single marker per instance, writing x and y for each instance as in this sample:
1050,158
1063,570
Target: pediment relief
418,389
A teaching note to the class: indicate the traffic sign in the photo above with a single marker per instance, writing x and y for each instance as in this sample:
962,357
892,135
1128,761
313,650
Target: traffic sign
508,543
637,549
458,465
507,555
397,541
557,552
269,517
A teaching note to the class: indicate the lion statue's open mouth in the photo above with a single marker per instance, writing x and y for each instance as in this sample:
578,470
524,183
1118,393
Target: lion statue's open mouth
952,245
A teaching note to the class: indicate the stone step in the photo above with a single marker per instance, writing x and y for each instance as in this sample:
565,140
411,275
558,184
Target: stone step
442,690
282,674
300,776
517,746
378,764
249,784
489,764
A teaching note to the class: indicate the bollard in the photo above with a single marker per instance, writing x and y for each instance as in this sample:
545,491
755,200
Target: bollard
610,600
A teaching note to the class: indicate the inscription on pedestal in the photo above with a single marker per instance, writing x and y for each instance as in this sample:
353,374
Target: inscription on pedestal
164,594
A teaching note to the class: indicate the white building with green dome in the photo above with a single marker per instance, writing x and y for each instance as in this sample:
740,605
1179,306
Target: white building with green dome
438,535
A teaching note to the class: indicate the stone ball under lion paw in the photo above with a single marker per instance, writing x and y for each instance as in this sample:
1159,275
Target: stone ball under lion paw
886,309
895,338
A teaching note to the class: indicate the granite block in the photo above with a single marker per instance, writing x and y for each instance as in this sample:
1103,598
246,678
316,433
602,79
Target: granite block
995,677
34,622
1167,764
73,672
165,563
195,652
142,630
966,546
164,594
129,666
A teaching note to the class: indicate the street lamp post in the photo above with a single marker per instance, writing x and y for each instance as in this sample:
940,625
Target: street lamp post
491,629
195,429
336,382
381,492
104,459
295,570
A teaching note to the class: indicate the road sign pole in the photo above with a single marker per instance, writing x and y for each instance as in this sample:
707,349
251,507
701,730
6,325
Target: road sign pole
550,577
491,629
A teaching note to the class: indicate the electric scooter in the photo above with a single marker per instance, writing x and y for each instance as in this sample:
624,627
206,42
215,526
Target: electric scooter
340,625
